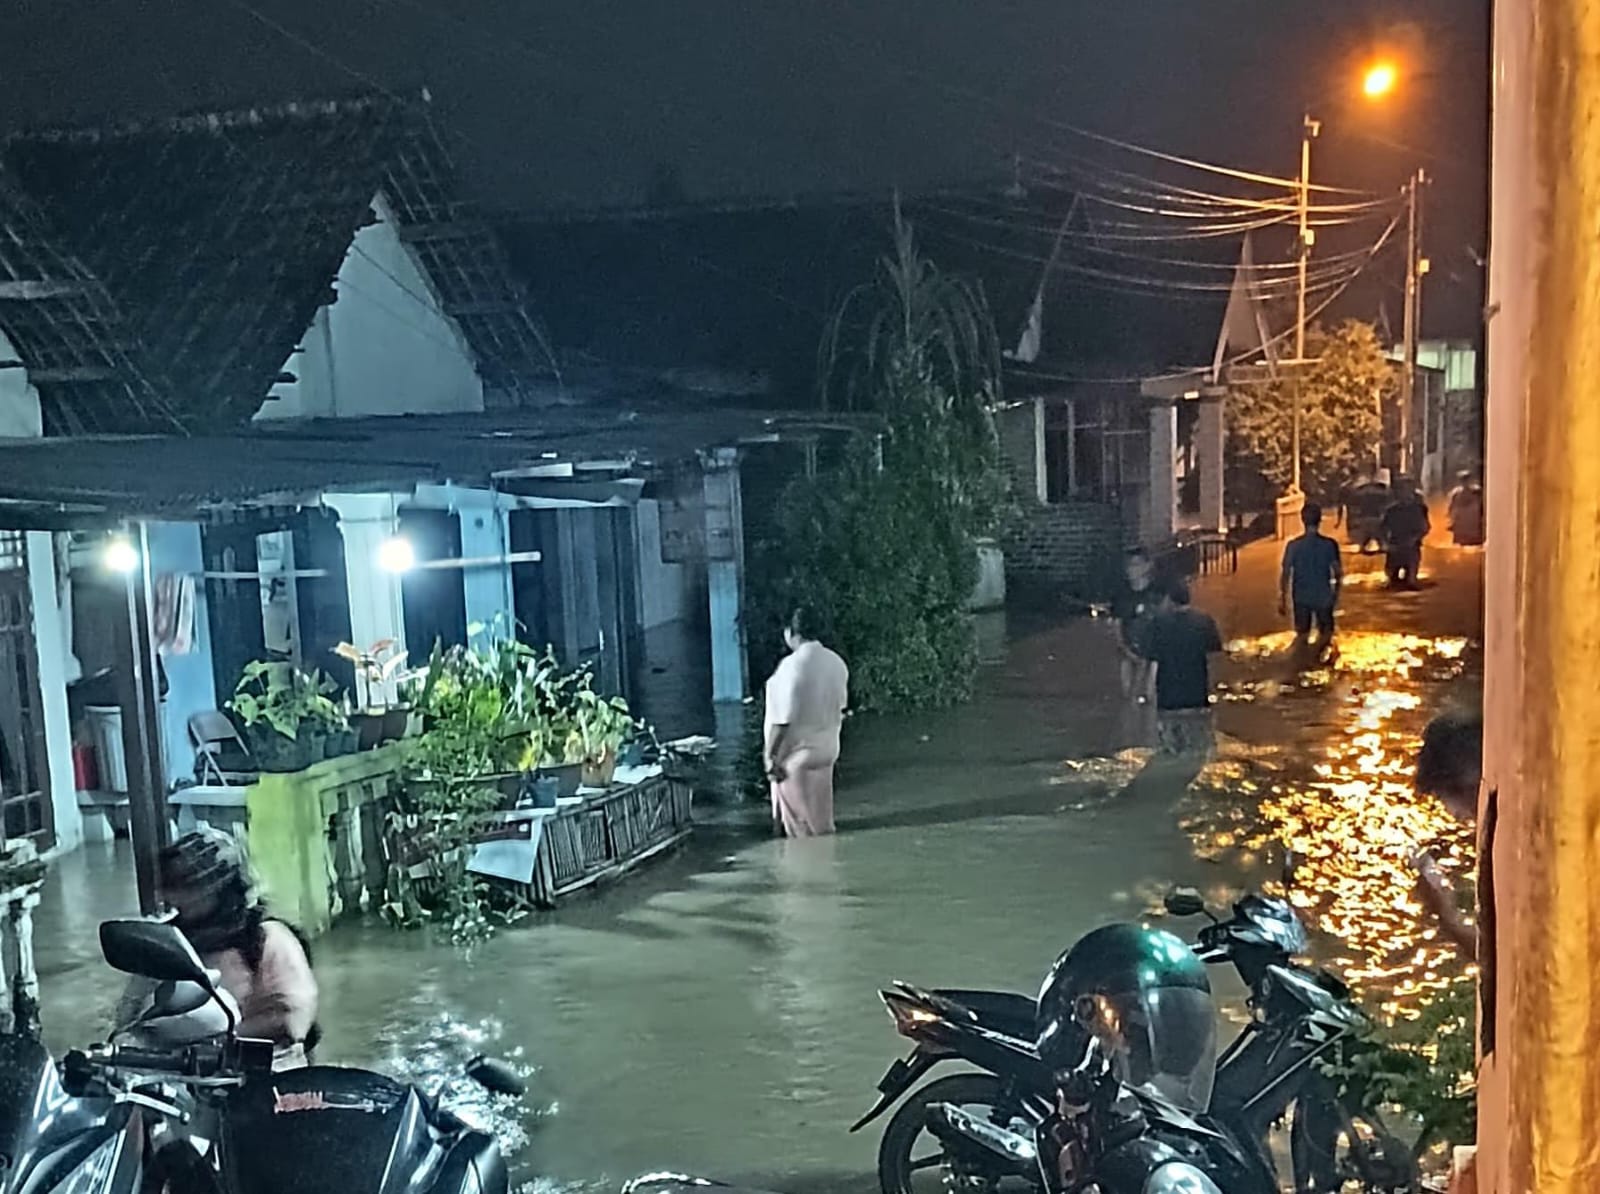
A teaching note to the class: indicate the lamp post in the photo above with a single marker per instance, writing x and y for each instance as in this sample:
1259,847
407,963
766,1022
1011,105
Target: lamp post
1309,129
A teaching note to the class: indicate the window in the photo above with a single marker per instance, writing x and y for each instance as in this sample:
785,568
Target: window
1097,449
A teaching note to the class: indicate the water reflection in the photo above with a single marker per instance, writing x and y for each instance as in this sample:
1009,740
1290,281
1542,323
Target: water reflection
1340,796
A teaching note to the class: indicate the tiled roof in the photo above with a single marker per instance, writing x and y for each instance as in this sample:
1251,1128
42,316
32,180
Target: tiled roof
65,328
219,235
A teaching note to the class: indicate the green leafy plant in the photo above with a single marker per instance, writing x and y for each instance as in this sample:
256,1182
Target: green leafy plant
884,545
280,698
600,725
1423,1062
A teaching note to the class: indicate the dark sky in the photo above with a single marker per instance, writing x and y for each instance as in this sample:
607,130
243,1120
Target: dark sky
579,102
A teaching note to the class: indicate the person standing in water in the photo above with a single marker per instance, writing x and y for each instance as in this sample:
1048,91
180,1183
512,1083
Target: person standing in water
1311,576
806,700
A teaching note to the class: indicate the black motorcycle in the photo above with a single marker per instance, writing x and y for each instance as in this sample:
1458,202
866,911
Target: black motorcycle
213,1117
1300,1016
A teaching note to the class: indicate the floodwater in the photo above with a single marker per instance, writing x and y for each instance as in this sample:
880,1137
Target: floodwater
718,1012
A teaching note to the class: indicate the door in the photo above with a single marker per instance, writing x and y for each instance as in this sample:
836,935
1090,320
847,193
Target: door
25,810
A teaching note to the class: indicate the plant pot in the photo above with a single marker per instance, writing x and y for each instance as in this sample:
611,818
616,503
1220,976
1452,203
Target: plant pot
632,753
275,753
396,721
598,773
510,784
568,777
343,742
368,728
546,790
314,746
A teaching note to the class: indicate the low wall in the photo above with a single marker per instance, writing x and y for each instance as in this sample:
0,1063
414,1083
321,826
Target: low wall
1066,552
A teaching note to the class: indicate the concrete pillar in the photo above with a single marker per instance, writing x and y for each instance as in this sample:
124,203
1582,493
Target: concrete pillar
1540,947
1162,512
377,612
49,639
486,534
725,577
1041,455
1208,458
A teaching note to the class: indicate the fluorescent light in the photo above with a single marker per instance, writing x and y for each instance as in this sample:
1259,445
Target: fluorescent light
120,555
395,554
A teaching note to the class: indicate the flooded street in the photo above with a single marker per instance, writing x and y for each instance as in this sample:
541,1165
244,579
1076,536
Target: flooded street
718,1011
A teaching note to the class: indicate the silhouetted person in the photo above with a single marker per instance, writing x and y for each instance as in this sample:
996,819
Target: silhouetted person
1405,525
1181,640
1311,577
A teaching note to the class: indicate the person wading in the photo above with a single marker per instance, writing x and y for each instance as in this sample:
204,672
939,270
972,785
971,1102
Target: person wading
1405,525
1181,640
806,699
1311,577
264,963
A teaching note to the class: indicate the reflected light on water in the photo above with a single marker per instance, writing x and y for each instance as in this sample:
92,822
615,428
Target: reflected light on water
1344,803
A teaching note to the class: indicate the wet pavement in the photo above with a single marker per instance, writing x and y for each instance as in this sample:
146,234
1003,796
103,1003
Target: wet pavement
717,1012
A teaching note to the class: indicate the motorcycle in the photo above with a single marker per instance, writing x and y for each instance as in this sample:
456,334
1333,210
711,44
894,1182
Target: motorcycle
210,1115
1300,1016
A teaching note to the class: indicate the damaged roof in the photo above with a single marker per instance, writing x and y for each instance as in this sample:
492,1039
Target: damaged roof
55,483
217,236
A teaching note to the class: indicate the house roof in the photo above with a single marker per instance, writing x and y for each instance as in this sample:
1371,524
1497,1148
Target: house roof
54,483
65,328
218,235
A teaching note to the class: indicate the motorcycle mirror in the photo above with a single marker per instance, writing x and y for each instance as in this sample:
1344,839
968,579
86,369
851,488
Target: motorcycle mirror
152,950
177,999
495,1076
1184,901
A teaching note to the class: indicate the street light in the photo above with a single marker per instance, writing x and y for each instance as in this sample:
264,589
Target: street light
1380,80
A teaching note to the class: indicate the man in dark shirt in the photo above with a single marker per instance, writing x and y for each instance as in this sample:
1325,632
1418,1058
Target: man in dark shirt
1405,525
1312,575
1181,641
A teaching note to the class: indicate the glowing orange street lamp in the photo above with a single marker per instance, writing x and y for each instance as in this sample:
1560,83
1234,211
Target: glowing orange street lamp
1380,80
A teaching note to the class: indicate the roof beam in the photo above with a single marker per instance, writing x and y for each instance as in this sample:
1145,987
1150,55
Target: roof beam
29,289
440,230
69,374
492,307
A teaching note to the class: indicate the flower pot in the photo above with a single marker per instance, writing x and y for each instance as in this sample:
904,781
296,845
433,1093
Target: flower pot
396,721
568,777
275,753
546,790
368,729
314,744
632,753
343,742
510,784
598,773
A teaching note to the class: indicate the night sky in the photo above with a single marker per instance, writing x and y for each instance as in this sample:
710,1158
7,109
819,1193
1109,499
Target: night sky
560,103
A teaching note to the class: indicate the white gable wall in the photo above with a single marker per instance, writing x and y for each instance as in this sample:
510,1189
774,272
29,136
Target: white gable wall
385,347
20,415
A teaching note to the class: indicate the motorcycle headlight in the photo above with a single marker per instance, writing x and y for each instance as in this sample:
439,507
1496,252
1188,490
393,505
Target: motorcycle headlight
1179,1177
95,1171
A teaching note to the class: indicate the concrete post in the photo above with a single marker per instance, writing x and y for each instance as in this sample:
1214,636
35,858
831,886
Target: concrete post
377,612
486,534
725,576
1208,458
1162,520
1539,950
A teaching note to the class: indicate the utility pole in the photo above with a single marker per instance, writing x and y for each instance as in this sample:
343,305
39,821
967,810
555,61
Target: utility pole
1416,267
1308,237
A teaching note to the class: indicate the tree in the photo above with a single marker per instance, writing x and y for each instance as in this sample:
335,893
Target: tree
884,549
1343,394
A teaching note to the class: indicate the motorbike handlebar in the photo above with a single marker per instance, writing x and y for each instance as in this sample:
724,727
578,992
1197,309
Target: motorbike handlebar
194,1061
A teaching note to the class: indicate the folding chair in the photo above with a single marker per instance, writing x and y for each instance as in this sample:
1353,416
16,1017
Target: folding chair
220,755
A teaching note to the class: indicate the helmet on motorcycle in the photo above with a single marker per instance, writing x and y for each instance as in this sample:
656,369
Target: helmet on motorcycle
206,881
1145,997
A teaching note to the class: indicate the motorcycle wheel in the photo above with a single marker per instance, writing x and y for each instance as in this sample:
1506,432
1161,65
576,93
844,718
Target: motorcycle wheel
899,1158
1331,1146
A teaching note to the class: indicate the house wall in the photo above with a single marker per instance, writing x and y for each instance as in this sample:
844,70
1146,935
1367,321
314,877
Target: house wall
175,549
667,592
20,414
384,347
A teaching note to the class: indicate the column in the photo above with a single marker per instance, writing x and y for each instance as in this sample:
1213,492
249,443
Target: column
1208,457
1540,947
1162,521
366,521
486,535
49,637
725,575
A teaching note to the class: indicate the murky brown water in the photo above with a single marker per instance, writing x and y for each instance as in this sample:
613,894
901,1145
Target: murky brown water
718,1012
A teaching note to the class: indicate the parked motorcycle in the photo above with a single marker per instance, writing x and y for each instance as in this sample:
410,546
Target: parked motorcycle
210,1116
1300,1016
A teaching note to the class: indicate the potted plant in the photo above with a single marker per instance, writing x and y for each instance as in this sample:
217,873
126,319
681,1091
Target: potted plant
284,714
601,725
374,718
